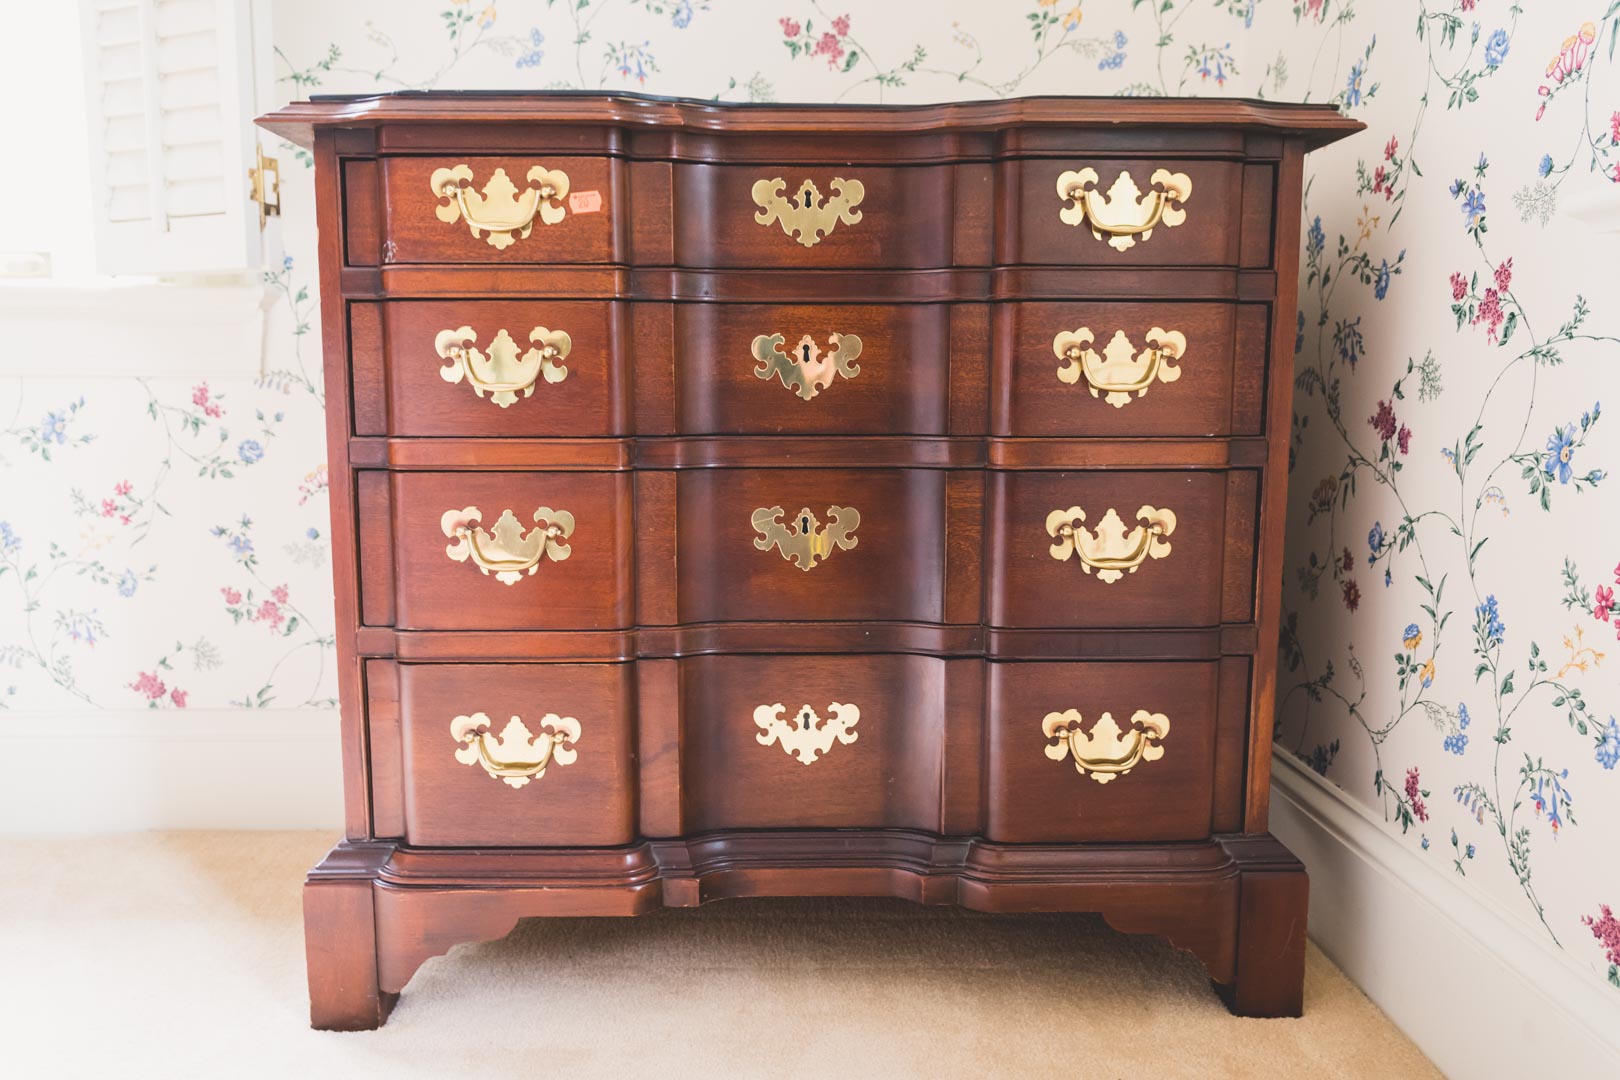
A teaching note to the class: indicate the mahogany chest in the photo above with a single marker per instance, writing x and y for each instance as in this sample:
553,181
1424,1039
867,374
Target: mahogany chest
795,500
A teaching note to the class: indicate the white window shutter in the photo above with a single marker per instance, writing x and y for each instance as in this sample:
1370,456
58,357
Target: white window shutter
170,97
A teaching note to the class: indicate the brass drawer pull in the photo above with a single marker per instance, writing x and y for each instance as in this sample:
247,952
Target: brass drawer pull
1125,215
502,212
1107,752
504,550
806,371
504,372
805,540
807,212
807,736
1120,371
1109,550
515,756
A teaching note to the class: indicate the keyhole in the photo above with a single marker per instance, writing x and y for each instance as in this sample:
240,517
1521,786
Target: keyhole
806,349
804,525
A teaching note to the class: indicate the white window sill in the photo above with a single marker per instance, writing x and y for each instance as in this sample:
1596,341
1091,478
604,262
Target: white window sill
106,328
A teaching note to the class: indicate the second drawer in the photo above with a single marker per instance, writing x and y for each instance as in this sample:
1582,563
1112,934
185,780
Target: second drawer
546,368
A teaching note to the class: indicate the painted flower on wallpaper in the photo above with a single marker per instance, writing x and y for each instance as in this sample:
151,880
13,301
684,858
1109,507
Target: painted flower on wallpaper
531,54
1496,48
149,686
1560,452
1411,637
1603,606
1569,62
1381,280
1607,753
80,627
9,540
1315,239
1352,87
203,398
1548,795
1475,308
1489,630
1415,794
1212,63
1457,742
314,485
1113,59
1383,421
1555,465
631,59
55,429
833,43
271,612
1606,928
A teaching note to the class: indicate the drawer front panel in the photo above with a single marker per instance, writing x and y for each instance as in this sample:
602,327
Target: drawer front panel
1058,771
812,368
574,224
1050,229
884,561
440,578
1126,563
487,368
562,774
812,742
903,218
1129,369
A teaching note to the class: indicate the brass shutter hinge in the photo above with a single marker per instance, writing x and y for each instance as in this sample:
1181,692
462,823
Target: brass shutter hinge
266,190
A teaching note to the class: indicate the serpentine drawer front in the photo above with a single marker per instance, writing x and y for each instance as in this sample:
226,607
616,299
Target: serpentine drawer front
760,501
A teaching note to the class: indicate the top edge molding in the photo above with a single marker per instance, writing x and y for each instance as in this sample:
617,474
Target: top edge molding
1316,124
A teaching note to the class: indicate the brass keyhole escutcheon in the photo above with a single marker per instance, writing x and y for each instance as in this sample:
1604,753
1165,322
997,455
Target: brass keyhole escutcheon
812,370
805,214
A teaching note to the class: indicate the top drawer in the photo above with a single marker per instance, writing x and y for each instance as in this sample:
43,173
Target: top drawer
543,209
536,209
1086,211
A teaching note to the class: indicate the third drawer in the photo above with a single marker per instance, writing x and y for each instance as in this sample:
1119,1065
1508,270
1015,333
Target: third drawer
609,550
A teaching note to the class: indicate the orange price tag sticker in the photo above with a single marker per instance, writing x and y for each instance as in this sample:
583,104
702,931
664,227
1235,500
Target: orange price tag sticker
585,202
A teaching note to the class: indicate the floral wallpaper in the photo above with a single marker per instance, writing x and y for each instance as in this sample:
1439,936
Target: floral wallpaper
1450,623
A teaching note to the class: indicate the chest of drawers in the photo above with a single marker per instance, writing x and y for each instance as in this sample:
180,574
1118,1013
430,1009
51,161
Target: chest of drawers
787,500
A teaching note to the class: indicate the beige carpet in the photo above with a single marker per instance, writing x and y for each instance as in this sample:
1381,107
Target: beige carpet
180,955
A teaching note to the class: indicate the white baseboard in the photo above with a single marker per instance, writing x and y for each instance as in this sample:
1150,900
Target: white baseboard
128,770
1481,996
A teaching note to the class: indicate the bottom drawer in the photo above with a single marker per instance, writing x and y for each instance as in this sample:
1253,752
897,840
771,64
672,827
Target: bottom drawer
569,754
520,755
820,742
1101,751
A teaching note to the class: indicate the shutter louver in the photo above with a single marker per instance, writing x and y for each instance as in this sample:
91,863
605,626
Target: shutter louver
170,97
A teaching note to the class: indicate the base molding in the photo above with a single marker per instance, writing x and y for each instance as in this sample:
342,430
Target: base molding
1445,965
172,769
376,910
